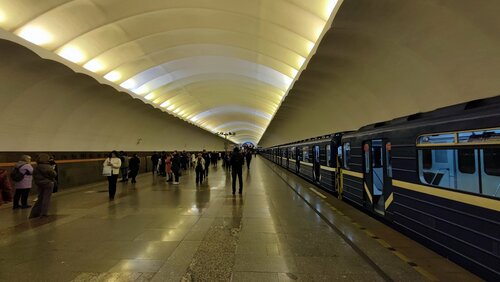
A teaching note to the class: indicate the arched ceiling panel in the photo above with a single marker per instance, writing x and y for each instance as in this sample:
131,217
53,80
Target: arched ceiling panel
386,59
190,58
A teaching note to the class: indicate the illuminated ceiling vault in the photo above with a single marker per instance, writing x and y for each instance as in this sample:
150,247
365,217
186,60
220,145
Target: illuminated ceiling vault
223,65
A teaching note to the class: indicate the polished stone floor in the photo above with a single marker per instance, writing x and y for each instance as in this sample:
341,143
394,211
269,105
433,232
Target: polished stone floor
279,229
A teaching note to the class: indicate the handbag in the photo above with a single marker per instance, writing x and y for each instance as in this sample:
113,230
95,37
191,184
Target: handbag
107,170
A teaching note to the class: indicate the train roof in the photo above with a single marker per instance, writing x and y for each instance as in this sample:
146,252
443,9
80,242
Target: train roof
480,104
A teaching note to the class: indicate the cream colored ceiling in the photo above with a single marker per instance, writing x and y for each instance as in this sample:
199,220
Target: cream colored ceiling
384,59
224,65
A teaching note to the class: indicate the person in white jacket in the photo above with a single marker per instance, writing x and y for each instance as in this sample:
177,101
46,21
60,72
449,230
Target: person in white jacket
115,163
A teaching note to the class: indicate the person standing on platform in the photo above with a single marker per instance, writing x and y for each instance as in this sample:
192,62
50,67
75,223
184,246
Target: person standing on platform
134,164
199,168
161,167
24,183
115,163
5,187
168,168
56,168
45,177
249,158
154,160
124,166
176,167
237,167
214,158
206,156
193,160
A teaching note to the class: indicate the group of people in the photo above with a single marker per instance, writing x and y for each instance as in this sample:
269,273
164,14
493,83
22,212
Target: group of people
167,164
21,178
15,186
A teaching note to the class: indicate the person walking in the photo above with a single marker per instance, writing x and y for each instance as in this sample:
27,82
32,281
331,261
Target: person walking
45,176
22,185
248,156
115,163
206,156
5,187
154,160
56,168
124,166
176,167
237,169
214,159
199,168
168,168
193,160
134,164
161,167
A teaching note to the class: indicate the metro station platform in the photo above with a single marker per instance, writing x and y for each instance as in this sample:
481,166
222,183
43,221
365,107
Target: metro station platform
280,229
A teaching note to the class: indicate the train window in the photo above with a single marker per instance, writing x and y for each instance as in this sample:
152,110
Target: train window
443,169
436,139
347,154
490,174
305,154
485,136
292,153
466,161
492,161
328,155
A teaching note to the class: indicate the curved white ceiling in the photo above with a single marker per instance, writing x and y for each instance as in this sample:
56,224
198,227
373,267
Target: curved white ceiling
224,65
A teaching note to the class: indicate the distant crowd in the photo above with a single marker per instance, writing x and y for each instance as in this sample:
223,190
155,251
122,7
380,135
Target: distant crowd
16,185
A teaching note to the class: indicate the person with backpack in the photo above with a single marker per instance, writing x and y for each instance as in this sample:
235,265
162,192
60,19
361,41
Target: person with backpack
22,176
199,168
5,187
237,161
44,176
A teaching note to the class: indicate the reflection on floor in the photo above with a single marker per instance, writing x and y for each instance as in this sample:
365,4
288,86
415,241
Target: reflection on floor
156,231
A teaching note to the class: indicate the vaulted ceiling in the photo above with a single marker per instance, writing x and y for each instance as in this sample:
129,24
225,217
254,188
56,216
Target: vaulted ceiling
223,65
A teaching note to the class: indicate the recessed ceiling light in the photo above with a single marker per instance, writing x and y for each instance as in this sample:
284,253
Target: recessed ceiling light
94,65
36,35
129,84
113,76
72,54
150,96
3,17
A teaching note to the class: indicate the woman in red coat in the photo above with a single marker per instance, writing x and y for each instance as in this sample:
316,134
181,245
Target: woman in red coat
5,187
168,167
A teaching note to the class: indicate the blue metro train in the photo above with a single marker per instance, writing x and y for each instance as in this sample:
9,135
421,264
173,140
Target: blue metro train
434,176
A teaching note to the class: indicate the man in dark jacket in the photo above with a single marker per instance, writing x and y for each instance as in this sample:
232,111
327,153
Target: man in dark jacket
134,165
249,158
237,168
44,177
206,156
176,167
154,159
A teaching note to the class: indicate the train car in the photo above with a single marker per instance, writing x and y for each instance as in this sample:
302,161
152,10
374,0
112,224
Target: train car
436,177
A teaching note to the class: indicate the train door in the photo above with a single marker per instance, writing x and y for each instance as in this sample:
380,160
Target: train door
377,173
316,164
